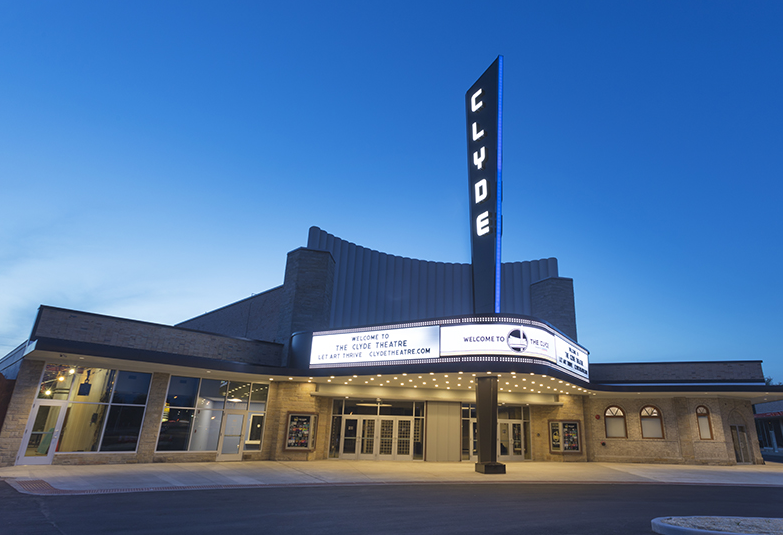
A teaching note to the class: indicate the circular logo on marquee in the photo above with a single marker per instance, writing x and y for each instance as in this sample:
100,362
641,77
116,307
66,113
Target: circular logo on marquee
517,340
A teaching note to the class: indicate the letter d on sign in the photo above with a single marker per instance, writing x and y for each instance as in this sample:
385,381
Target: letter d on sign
481,190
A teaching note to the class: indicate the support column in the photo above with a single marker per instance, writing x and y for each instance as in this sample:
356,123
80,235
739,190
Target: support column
487,426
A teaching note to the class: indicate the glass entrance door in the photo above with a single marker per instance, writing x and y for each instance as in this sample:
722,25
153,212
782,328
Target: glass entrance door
230,446
510,444
377,438
513,440
42,433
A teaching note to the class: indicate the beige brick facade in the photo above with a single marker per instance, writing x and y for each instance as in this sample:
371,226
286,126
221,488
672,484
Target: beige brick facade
285,398
25,390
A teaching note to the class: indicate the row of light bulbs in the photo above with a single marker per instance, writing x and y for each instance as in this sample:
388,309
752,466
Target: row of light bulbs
560,387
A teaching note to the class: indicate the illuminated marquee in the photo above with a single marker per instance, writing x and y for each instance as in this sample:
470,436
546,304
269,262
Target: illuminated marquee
418,344
483,110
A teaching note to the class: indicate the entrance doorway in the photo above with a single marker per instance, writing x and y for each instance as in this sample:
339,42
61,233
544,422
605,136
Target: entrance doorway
513,433
740,439
42,433
377,430
231,432
380,439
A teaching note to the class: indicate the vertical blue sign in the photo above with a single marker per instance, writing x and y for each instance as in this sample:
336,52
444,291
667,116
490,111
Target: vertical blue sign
484,114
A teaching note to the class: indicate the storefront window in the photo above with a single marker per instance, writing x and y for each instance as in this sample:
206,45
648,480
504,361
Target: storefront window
182,392
122,428
258,394
93,385
212,394
132,388
195,408
206,430
106,407
238,395
82,427
175,429
56,382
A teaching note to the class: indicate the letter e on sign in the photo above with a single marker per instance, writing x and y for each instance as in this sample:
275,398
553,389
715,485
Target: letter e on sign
482,224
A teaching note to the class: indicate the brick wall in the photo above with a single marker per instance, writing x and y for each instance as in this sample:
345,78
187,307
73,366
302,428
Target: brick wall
552,300
256,317
287,397
6,390
307,294
25,391
105,331
681,444
744,371
541,415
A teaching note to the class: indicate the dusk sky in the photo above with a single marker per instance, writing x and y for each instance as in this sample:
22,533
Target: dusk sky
159,159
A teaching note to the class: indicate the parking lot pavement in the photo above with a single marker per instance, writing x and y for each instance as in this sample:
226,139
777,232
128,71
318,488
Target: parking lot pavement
92,479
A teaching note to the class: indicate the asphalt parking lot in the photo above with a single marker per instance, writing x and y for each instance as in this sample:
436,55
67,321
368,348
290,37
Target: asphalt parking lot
583,509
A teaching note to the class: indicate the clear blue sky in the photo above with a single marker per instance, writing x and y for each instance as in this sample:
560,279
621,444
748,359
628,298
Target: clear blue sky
159,159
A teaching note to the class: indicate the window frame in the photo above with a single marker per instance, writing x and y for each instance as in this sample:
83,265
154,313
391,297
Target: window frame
106,401
657,416
198,407
705,414
614,416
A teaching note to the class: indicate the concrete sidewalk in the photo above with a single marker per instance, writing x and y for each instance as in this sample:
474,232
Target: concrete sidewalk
102,479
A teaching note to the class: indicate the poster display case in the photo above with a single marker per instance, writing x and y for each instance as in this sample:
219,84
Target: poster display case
300,434
564,437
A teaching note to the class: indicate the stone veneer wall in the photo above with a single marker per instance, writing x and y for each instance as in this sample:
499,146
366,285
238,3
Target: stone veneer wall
293,397
681,443
541,415
25,390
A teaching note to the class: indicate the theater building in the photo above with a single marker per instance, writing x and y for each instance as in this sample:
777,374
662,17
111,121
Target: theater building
366,355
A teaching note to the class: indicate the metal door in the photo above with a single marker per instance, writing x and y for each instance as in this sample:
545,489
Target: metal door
348,448
367,442
511,446
740,440
42,432
230,444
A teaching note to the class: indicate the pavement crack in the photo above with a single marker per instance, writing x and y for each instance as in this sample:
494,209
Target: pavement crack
44,509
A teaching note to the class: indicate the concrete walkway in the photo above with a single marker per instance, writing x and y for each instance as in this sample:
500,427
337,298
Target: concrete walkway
101,479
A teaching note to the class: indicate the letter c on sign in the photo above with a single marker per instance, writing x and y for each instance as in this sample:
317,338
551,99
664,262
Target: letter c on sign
476,106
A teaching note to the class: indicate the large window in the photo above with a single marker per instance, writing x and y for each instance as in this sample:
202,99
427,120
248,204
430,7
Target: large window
614,421
193,415
703,419
652,423
105,409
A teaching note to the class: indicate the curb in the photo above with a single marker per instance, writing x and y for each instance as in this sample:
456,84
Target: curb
659,526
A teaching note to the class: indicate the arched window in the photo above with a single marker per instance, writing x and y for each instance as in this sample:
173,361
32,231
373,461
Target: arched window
614,421
703,419
652,423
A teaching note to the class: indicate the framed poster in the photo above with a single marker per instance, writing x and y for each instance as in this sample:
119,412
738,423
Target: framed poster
300,434
564,437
